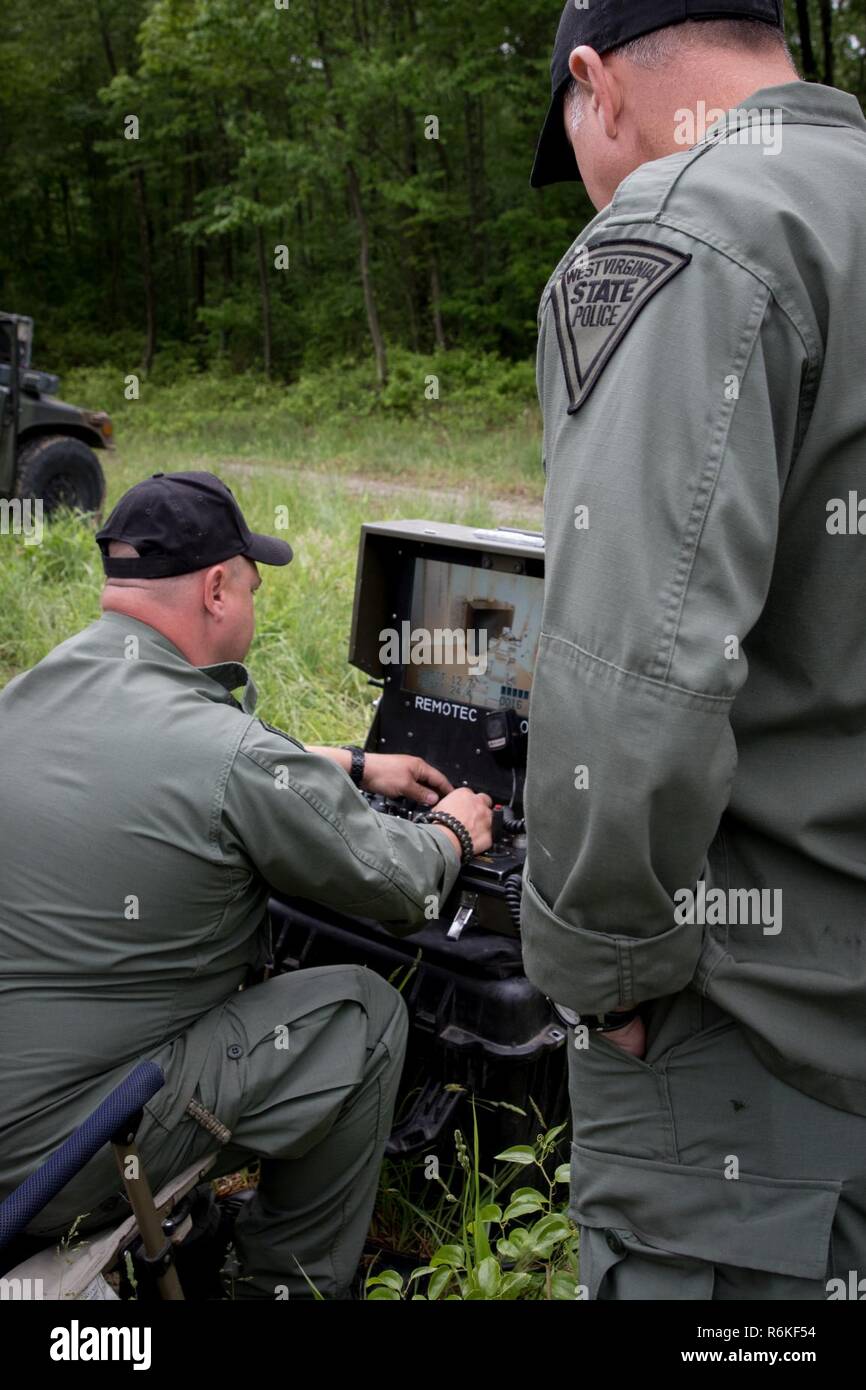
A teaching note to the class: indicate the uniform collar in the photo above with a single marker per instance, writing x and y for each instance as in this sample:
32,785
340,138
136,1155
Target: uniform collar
233,675
227,675
800,103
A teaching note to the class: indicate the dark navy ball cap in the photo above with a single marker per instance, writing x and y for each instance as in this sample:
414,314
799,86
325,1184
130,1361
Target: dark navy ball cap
181,522
603,25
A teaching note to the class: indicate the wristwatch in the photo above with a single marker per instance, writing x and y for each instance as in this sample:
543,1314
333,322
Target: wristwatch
356,771
597,1023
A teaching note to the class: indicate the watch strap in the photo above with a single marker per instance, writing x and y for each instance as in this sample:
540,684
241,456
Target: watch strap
618,1018
356,772
597,1023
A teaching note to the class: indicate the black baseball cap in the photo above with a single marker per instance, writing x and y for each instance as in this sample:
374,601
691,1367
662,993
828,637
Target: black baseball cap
181,522
605,24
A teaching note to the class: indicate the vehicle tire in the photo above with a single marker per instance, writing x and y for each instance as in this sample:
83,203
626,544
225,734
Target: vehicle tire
62,472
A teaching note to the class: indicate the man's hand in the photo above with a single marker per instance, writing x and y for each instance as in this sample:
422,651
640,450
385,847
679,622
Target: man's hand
475,811
401,774
631,1038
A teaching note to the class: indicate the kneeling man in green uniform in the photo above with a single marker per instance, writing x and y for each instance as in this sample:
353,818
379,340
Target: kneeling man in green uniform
145,813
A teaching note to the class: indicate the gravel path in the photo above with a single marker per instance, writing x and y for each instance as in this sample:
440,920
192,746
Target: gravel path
504,509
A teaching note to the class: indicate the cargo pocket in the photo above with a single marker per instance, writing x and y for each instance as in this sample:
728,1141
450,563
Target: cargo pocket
619,1103
654,1145
616,1264
182,1061
754,1222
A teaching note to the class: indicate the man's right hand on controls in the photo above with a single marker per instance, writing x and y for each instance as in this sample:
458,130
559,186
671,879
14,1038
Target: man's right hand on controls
475,811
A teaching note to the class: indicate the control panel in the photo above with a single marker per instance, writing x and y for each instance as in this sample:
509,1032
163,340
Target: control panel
446,625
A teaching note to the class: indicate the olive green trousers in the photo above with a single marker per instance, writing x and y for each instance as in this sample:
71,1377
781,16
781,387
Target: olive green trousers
697,1173
303,1071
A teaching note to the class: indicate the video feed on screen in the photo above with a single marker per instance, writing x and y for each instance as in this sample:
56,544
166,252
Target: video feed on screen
474,635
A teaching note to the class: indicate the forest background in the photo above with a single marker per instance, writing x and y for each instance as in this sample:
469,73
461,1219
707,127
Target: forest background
277,187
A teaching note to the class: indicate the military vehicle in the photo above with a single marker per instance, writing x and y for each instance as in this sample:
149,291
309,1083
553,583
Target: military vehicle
46,446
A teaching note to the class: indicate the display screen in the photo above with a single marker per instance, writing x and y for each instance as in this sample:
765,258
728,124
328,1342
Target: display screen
473,635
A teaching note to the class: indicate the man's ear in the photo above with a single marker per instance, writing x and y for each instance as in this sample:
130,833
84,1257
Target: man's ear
216,582
606,92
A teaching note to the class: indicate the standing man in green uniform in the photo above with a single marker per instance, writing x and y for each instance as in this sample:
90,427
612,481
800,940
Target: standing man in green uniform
145,812
695,893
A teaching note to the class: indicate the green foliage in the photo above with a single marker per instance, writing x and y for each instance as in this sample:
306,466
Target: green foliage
330,479
262,128
178,402
525,1247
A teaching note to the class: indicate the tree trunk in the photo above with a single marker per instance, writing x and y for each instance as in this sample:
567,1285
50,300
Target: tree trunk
227,279
826,9
145,226
67,218
226,247
474,118
198,260
810,71
366,278
145,239
265,291
264,268
436,303
358,211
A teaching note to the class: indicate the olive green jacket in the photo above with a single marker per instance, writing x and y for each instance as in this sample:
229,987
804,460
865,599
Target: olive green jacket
698,717
144,816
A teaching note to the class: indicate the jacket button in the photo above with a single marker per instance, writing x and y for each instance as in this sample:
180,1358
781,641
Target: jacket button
234,1051
614,1242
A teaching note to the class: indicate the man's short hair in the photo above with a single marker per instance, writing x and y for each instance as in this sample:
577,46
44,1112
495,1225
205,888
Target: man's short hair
748,35
656,49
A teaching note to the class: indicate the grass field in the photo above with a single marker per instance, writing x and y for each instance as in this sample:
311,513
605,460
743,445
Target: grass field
330,479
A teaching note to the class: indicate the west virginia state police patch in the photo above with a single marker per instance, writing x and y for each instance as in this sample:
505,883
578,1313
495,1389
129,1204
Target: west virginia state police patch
598,299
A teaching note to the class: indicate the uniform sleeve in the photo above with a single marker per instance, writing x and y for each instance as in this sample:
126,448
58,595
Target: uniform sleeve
661,515
305,827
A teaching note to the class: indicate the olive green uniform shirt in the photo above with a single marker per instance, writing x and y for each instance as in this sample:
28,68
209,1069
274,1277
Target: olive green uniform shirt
699,706
144,815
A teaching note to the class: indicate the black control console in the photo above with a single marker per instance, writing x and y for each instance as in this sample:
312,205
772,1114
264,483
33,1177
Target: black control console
446,626
446,623
487,892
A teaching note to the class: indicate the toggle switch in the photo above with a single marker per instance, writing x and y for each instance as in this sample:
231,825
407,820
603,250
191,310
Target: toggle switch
463,916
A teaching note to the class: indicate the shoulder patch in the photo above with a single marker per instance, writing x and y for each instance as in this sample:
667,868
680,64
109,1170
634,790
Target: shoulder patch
597,299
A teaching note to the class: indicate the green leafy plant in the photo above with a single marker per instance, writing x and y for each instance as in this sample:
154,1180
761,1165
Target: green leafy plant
525,1247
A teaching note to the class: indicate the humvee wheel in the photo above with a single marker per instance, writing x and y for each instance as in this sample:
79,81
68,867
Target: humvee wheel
63,472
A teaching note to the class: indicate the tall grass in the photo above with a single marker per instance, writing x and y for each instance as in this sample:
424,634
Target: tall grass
481,433
299,657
